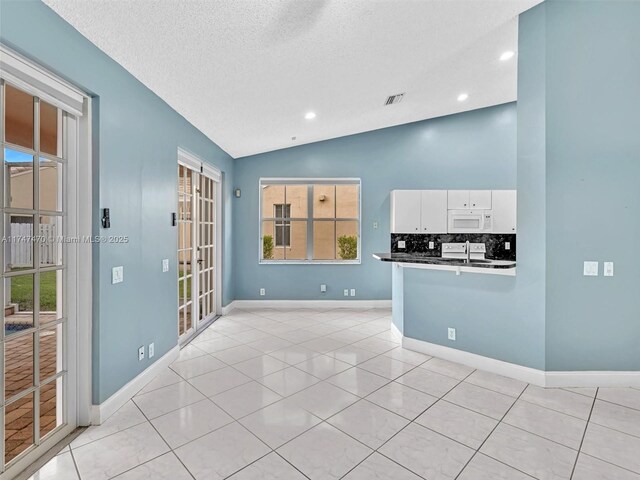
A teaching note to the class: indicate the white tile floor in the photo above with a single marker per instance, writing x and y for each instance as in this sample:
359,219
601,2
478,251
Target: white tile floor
294,394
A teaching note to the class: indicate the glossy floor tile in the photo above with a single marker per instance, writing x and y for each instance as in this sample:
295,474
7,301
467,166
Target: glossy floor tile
268,394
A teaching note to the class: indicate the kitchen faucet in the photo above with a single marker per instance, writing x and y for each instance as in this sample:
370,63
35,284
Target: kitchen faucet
468,251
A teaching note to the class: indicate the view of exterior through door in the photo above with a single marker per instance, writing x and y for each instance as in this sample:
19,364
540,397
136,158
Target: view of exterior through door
197,232
206,249
186,207
35,153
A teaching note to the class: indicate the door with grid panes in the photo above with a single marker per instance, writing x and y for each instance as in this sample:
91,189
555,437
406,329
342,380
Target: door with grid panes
36,148
206,248
197,273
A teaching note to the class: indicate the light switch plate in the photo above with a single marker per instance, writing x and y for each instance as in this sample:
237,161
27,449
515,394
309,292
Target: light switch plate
165,265
431,245
117,275
591,269
451,333
152,350
323,288
346,292
141,353
375,224
507,245
401,244
608,269
353,292
263,292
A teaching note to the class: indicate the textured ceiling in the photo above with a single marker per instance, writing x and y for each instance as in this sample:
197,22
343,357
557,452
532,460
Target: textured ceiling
245,72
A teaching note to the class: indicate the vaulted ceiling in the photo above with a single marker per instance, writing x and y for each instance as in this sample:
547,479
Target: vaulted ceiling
245,72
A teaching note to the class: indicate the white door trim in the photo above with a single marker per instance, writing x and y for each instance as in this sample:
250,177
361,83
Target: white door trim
32,78
199,167
37,81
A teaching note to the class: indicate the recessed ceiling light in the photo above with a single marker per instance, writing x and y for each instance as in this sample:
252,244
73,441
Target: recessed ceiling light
462,97
310,115
507,55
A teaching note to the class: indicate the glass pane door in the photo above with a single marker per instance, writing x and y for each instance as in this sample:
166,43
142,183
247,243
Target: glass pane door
34,162
206,248
186,216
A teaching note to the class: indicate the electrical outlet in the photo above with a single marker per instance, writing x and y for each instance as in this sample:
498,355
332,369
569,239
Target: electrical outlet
323,288
165,265
451,334
375,224
346,292
141,353
608,269
263,292
401,244
117,275
507,245
353,292
431,245
152,350
591,269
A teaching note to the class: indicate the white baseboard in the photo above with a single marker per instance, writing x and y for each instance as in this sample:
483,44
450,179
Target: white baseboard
99,413
592,379
228,308
306,304
526,374
540,378
395,331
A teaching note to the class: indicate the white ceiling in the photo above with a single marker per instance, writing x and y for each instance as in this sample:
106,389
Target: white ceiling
245,72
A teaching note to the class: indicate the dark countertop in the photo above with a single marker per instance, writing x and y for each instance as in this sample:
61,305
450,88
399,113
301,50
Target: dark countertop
429,260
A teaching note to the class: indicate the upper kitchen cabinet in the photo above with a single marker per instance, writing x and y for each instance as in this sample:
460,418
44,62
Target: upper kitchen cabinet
480,199
405,211
433,211
419,211
504,211
458,199
469,199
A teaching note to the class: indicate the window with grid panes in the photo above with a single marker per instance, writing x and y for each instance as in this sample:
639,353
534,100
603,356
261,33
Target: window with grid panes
310,220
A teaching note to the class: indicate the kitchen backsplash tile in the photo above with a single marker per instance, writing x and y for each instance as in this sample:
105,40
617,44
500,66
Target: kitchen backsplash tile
419,243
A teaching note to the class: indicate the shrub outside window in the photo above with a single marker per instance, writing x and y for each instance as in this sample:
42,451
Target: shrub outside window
309,220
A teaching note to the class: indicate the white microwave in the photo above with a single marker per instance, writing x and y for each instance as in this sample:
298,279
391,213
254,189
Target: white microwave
470,221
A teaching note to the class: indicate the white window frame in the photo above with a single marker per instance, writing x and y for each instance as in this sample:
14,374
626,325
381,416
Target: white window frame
309,219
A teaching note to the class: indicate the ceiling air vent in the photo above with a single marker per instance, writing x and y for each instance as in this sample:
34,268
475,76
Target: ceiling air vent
393,99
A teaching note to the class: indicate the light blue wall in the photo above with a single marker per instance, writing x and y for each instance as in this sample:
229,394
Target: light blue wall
469,150
484,309
136,139
593,183
531,275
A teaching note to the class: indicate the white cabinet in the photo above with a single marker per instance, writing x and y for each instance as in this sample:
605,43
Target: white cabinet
469,199
405,211
504,211
480,199
426,211
433,216
419,211
458,199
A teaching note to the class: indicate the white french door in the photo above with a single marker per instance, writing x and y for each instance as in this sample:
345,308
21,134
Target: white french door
198,293
39,258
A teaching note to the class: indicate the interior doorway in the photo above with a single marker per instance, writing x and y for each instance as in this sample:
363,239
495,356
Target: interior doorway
198,245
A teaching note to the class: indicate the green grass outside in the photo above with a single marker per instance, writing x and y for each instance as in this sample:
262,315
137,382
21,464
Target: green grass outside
22,292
